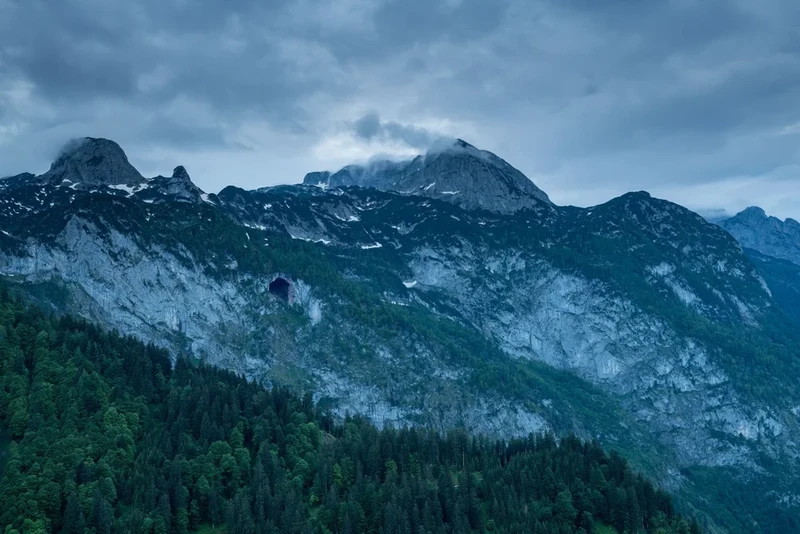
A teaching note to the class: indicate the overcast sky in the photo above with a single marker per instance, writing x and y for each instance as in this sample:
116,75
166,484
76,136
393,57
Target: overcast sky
697,101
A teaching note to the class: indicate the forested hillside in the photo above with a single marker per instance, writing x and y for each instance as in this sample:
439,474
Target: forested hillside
99,433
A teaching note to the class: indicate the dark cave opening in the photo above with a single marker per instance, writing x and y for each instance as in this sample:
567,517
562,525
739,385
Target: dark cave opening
281,288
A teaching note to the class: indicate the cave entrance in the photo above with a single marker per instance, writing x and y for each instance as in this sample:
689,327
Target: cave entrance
281,288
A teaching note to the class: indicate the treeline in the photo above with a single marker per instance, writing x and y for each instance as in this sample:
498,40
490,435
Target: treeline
99,433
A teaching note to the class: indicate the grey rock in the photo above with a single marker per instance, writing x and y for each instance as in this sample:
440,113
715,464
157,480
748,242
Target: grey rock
92,162
569,322
178,187
754,229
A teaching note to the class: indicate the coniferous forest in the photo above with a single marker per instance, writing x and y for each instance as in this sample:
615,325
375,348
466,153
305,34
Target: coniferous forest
100,433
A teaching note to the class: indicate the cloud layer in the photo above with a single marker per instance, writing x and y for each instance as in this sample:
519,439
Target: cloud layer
693,100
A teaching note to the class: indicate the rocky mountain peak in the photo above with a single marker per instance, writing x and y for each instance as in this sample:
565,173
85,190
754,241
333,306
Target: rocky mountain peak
457,146
454,171
92,162
754,229
177,187
752,213
180,173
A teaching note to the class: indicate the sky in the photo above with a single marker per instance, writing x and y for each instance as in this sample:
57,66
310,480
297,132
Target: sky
696,101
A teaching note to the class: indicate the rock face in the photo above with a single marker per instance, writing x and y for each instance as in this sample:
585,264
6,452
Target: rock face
91,162
768,235
634,322
455,172
580,325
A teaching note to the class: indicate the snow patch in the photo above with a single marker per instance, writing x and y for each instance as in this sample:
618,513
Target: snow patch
310,240
662,269
682,293
126,188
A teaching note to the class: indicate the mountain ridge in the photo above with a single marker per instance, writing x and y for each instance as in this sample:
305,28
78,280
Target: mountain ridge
665,340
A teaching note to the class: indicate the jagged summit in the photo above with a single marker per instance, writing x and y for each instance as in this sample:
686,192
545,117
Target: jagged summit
179,173
177,187
756,213
754,229
92,162
454,171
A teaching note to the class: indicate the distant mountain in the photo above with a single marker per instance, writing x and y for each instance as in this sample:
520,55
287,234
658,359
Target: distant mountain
768,235
635,322
773,246
455,172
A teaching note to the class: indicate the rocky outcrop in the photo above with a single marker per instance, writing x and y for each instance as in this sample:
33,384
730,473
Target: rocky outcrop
178,187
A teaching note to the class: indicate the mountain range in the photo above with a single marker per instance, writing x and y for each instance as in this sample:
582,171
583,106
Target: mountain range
449,291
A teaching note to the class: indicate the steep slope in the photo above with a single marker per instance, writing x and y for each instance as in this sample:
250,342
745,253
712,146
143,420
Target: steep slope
765,234
106,436
456,172
783,279
187,276
413,310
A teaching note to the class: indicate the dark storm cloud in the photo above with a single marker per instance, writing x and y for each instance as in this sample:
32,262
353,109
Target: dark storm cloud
63,51
589,98
370,127
401,23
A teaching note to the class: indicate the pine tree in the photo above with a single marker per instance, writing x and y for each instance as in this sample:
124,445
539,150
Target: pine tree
102,514
73,521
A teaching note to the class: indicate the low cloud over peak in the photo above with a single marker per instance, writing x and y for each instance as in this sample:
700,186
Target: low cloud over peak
370,127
